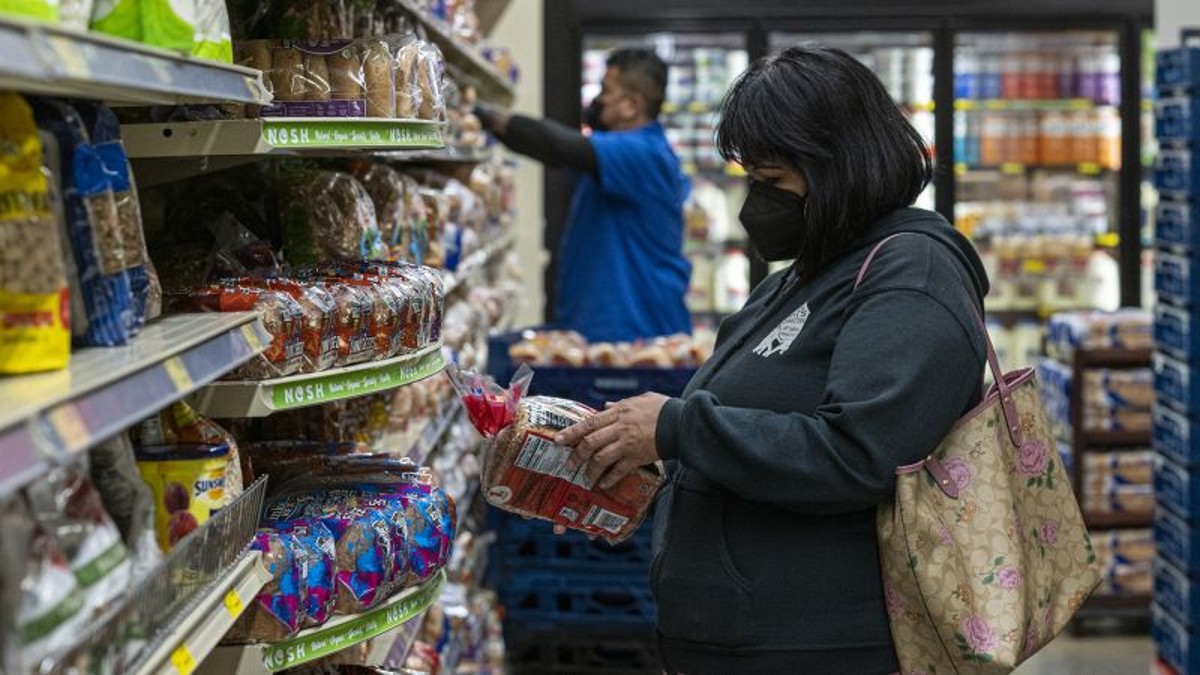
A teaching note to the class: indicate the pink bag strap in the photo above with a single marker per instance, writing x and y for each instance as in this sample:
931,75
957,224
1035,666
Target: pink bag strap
1007,405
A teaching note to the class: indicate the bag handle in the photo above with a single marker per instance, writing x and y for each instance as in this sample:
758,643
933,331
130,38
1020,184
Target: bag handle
1007,405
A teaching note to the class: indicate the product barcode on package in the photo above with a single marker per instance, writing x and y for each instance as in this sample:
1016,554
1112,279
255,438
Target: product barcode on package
543,416
541,455
605,520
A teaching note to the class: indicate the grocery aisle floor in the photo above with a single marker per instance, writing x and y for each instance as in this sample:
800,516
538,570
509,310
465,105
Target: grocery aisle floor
1100,655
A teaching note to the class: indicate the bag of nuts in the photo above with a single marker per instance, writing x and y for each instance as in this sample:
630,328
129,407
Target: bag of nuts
34,331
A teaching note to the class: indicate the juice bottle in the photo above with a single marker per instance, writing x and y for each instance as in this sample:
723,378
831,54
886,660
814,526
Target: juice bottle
1109,78
1084,141
991,82
1028,143
1011,77
991,150
1110,138
1055,146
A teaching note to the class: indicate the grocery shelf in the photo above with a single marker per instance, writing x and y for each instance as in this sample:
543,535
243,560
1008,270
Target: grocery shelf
1115,358
435,431
1115,439
448,155
106,389
1020,169
398,649
1034,105
263,397
279,136
470,270
1105,521
56,61
340,633
491,85
208,619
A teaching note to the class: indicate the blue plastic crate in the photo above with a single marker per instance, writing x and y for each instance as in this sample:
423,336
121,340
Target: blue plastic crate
1177,68
544,652
1176,382
1175,643
1174,280
1176,170
546,600
1174,540
1177,224
1177,119
528,545
590,386
1177,487
1176,330
1176,592
1172,435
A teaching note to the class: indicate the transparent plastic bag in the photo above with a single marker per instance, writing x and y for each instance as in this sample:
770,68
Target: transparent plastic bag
68,507
281,317
329,216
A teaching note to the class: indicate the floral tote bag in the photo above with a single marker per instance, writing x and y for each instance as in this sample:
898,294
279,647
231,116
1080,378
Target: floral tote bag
984,552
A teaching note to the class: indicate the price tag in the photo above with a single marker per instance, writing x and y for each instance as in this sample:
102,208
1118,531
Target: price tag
182,659
669,107
1012,168
964,104
698,107
960,169
251,336
996,104
177,371
69,426
1089,168
1080,104
69,56
233,603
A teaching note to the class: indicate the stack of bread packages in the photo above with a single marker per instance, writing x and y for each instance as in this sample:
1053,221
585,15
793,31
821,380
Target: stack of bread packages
527,473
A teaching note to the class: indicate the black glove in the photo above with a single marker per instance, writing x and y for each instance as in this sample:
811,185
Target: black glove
488,115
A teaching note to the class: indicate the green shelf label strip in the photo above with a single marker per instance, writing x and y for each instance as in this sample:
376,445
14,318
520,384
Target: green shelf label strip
325,641
338,386
342,133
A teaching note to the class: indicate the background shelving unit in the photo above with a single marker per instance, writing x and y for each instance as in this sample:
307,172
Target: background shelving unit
1084,441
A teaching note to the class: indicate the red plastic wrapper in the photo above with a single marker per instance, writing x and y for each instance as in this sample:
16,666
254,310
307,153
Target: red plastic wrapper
526,472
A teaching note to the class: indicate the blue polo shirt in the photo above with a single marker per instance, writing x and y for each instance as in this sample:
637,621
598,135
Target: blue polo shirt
622,273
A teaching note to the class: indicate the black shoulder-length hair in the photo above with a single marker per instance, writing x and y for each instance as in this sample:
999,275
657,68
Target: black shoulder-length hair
822,111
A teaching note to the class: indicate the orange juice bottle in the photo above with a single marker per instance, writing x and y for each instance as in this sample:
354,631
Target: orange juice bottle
1055,148
991,149
1028,143
1110,139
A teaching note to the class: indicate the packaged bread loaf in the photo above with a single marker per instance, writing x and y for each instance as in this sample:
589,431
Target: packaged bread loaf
281,316
328,216
319,328
381,80
525,472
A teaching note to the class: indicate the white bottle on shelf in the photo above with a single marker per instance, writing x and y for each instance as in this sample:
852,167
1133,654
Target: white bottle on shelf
732,286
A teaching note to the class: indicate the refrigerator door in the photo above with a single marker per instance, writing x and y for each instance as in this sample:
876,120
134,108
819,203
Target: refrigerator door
1037,148
903,61
702,66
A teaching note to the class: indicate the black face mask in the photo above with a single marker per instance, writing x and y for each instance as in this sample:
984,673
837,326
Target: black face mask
592,116
775,220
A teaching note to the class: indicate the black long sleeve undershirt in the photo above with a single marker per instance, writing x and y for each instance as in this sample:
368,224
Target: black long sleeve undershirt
554,144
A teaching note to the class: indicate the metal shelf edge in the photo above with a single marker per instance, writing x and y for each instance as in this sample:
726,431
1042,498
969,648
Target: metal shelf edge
200,632
61,422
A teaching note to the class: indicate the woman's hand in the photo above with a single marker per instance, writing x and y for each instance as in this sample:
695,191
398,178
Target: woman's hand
615,441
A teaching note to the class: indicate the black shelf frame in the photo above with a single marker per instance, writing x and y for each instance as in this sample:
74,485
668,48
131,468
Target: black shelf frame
567,22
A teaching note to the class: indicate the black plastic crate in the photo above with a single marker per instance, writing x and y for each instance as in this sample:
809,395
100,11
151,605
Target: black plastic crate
577,653
551,600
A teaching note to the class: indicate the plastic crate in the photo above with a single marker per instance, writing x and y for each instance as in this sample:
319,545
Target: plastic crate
575,653
549,600
590,386
1175,541
1176,592
1176,330
1177,487
1177,68
1173,434
1175,643
1177,224
1177,119
1176,170
1176,382
1174,280
524,545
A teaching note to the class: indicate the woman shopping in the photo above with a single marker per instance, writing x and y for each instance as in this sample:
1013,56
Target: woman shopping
785,442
